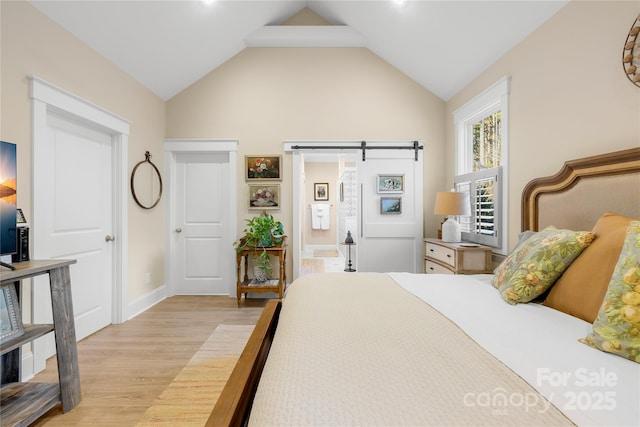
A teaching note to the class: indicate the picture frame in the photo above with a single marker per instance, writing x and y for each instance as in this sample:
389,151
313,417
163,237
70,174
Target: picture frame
264,196
390,205
390,183
20,218
321,191
10,317
263,168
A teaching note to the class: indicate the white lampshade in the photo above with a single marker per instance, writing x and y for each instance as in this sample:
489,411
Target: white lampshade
451,203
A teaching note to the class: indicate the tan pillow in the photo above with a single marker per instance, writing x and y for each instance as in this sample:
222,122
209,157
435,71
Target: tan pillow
581,288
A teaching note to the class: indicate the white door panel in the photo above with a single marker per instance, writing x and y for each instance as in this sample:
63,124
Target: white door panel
379,250
79,196
390,242
77,215
201,215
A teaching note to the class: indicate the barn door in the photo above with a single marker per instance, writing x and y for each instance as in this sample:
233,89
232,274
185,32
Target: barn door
390,234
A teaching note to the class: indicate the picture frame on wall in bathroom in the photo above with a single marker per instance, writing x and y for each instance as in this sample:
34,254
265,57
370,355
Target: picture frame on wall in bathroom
390,183
263,168
321,191
390,205
264,197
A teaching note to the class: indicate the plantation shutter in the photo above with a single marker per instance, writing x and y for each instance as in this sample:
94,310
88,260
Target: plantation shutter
485,195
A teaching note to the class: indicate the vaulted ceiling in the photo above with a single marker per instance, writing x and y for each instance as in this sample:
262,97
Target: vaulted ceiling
168,45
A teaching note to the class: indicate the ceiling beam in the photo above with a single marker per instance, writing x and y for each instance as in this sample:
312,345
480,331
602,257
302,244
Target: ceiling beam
305,36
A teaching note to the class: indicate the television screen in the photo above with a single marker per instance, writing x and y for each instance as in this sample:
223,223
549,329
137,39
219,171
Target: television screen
8,178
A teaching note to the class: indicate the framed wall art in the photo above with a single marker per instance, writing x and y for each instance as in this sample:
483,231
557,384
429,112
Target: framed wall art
390,183
266,196
390,205
321,191
263,168
10,317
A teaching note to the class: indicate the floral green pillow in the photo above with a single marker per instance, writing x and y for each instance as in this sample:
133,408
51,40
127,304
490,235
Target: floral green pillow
537,263
617,327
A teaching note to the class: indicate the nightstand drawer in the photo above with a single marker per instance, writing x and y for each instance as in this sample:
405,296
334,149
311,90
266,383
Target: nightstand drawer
445,255
456,257
431,267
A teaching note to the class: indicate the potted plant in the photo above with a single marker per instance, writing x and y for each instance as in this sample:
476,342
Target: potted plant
262,231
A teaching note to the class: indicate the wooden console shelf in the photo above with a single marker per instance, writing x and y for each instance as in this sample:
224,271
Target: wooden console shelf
23,403
31,332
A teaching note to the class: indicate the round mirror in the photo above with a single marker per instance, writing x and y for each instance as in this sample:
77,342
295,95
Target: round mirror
146,183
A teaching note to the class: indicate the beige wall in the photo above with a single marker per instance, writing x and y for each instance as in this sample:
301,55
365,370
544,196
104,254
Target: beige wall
328,173
264,96
32,44
569,99
569,96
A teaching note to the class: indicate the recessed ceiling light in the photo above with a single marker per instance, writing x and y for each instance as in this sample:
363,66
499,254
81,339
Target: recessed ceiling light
400,2
207,2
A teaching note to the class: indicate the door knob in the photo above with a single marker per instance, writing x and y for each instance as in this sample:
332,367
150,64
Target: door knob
178,230
109,238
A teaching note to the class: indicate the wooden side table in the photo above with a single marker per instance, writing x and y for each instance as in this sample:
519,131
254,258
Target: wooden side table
456,258
245,285
22,403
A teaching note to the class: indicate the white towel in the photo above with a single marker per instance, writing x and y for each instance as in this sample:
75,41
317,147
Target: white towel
320,218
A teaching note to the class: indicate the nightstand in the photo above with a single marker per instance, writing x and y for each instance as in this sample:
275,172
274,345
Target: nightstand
456,258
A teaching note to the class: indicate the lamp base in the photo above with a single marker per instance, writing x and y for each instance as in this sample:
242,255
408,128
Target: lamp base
451,231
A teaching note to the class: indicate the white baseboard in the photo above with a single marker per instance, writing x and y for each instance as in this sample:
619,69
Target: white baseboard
26,366
145,302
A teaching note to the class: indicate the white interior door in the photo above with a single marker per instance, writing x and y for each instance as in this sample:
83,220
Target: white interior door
202,225
79,195
75,217
391,241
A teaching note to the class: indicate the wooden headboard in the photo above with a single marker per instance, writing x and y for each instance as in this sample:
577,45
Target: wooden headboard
583,190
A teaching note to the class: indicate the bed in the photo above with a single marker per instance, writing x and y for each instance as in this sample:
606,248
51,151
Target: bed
415,349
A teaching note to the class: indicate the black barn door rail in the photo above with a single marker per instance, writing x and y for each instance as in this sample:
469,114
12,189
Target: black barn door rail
364,147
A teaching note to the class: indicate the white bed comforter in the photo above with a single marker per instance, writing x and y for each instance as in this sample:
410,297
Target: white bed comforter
540,344
357,349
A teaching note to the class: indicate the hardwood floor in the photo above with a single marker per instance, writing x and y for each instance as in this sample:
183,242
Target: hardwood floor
124,368
321,261
311,266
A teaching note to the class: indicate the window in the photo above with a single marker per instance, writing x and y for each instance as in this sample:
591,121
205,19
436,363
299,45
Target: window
484,188
487,139
481,153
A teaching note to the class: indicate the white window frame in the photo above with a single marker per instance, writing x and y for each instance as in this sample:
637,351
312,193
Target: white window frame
494,98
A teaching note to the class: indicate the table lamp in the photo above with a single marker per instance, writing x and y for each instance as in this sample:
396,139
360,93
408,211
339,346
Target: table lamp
451,203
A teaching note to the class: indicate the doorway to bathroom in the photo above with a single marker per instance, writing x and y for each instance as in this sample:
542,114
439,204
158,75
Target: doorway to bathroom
341,187
328,199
